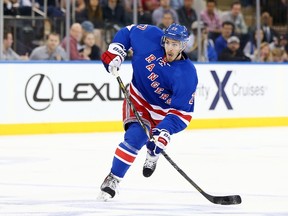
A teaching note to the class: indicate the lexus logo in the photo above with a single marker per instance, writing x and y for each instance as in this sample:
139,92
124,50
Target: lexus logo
39,92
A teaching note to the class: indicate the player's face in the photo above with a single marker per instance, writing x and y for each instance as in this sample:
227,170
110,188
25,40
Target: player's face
172,49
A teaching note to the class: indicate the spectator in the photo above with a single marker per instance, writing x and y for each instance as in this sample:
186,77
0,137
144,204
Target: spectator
251,45
8,52
278,10
176,4
144,16
80,5
199,5
150,5
281,13
208,52
90,50
93,13
235,16
114,16
51,51
247,3
269,33
226,32
158,13
212,19
75,38
9,7
265,53
24,7
283,42
233,52
54,7
186,14
114,13
128,5
279,55
279,42
87,27
167,20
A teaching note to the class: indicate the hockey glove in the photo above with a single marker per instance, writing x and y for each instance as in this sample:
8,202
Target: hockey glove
162,139
113,57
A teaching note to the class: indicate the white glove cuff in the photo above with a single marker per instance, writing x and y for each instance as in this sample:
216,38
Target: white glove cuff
163,139
117,49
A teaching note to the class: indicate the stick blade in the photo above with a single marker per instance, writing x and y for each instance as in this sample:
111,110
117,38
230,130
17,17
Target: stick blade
227,200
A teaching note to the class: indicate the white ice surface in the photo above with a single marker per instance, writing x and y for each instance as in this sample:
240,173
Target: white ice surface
60,175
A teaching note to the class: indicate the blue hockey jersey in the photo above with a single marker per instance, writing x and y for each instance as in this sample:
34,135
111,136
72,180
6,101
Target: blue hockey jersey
165,89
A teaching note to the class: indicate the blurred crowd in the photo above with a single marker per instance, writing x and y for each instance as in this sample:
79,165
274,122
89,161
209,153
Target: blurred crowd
216,35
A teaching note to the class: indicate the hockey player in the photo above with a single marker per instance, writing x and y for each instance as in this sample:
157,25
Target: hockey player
162,89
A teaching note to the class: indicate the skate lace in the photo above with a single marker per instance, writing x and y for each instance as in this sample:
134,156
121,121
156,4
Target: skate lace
149,164
112,183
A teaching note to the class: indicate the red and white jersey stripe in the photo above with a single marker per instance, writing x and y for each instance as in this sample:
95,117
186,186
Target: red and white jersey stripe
158,113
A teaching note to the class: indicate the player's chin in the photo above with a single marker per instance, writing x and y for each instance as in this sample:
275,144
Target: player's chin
170,58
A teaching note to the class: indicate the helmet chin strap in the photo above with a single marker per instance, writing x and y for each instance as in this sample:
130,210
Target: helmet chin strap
178,55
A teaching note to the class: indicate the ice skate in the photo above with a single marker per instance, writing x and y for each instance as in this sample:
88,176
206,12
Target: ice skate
149,165
109,187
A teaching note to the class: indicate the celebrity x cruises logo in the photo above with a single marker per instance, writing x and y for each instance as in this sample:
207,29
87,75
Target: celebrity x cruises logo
221,90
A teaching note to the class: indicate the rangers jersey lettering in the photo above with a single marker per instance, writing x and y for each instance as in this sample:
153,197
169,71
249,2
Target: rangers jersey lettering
165,89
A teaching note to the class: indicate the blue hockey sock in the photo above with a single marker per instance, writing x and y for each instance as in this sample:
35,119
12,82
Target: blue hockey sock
123,158
126,152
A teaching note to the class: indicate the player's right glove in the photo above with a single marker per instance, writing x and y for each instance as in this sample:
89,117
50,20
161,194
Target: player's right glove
161,140
113,57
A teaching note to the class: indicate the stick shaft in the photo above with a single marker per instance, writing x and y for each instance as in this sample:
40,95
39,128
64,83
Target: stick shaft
217,200
122,86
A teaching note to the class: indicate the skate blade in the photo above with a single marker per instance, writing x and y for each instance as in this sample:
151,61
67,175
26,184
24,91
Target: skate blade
103,197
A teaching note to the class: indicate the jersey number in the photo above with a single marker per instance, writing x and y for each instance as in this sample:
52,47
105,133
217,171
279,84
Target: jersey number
192,99
142,27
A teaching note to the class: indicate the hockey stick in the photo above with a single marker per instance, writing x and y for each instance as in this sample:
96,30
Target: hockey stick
222,200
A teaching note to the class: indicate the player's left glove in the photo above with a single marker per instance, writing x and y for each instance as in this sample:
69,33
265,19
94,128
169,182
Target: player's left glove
162,139
113,57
